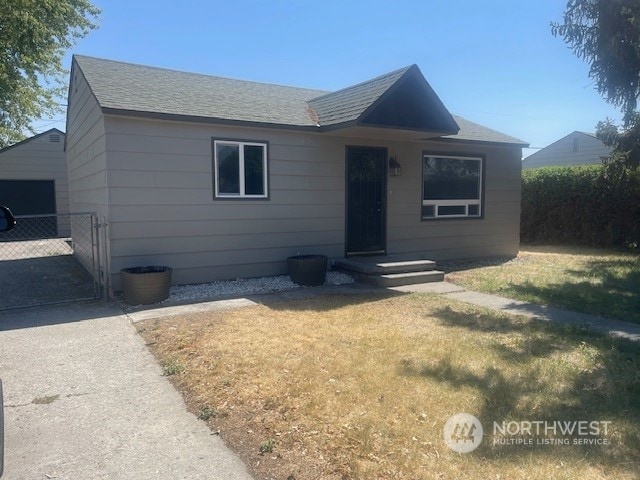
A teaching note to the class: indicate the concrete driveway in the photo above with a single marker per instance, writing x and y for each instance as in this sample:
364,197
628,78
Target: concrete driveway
84,398
44,271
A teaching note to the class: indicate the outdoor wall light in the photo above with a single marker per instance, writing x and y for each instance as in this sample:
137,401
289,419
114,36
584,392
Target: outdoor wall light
395,169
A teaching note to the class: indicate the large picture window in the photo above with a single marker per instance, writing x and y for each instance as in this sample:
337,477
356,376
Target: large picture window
451,186
240,169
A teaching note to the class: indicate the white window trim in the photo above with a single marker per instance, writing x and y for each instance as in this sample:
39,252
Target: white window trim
240,145
436,204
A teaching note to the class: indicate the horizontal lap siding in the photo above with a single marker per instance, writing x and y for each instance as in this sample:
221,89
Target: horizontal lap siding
163,211
86,161
496,234
40,159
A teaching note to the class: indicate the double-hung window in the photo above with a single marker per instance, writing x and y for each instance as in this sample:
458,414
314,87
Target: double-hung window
451,186
240,169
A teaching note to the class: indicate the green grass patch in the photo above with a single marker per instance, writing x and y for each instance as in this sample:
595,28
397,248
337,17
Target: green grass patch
600,282
172,367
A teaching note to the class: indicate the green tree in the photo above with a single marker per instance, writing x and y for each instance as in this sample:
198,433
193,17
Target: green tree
606,34
34,36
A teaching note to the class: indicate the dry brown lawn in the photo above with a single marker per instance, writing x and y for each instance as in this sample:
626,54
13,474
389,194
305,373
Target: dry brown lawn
359,387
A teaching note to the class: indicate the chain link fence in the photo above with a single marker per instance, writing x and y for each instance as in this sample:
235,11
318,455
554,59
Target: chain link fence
49,259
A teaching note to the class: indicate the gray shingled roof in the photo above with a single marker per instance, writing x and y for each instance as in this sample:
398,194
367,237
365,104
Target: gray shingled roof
129,88
348,104
474,132
138,88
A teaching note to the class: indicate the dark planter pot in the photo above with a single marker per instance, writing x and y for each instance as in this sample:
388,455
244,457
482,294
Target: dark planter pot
145,285
308,270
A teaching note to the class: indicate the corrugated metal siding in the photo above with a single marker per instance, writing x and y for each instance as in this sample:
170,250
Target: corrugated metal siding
162,211
40,159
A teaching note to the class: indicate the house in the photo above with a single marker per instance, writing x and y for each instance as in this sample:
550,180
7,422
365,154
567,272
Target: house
577,148
222,178
33,181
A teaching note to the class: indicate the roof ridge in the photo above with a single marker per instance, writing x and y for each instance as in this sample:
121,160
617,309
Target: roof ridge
197,74
371,80
590,134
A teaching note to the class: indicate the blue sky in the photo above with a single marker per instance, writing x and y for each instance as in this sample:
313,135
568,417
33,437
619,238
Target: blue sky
493,62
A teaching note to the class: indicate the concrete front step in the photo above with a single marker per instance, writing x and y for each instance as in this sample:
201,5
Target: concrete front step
411,278
380,268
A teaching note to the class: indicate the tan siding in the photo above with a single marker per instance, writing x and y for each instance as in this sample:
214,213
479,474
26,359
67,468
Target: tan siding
40,159
496,234
163,212
86,161
231,211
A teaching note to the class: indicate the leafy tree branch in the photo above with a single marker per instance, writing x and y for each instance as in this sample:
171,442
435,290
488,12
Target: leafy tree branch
34,36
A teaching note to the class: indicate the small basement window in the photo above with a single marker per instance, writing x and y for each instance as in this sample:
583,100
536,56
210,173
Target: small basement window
239,169
451,186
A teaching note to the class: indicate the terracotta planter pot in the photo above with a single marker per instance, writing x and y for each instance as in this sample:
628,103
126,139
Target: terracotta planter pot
145,285
308,270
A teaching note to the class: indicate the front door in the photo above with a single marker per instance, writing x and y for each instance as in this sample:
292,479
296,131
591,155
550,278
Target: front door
366,200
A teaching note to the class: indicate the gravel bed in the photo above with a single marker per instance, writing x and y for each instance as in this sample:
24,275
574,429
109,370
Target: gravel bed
242,287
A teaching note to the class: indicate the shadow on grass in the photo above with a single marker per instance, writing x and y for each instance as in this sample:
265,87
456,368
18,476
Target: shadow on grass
451,266
533,375
324,301
614,290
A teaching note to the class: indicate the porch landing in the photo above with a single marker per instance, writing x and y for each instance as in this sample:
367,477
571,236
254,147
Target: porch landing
390,270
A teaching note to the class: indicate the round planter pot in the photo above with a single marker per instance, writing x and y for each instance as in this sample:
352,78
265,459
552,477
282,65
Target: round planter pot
308,270
145,285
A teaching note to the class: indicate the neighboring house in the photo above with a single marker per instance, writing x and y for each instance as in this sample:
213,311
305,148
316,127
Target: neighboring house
33,181
577,148
222,178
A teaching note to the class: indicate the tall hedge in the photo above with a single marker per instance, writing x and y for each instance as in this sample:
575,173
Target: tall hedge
580,205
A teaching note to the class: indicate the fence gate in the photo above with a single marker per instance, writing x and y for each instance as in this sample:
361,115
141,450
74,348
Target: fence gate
49,259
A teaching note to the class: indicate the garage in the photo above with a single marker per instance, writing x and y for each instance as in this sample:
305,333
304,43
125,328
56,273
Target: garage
34,181
30,197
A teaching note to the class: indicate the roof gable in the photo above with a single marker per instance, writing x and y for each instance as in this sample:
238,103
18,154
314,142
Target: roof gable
411,104
348,104
576,148
30,139
400,100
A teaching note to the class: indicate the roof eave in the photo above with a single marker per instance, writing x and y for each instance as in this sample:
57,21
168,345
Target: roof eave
480,142
200,119
437,133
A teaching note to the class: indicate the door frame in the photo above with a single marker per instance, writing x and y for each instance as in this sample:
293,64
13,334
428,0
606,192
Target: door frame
383,211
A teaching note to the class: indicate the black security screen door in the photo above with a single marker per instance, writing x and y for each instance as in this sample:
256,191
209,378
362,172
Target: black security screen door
366,200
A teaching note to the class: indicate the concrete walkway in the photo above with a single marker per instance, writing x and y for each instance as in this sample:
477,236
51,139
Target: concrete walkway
84,398
617,328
